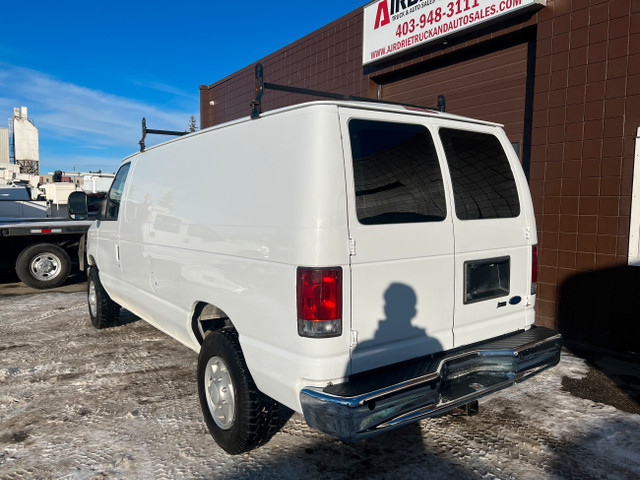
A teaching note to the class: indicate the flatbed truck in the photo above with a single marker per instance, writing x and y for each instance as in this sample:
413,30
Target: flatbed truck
42,251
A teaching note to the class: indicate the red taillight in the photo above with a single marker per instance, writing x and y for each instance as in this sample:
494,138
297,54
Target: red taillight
534,270
319,302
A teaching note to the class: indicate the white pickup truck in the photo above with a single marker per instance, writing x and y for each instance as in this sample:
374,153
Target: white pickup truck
365,265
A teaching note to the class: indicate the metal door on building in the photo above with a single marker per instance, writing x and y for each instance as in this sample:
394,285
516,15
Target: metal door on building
490,86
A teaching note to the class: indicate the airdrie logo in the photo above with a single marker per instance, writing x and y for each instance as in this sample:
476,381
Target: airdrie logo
383,15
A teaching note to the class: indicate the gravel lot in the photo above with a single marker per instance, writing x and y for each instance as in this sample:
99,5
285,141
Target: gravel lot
79,403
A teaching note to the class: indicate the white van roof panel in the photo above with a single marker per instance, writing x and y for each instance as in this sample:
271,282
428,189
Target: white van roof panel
375,107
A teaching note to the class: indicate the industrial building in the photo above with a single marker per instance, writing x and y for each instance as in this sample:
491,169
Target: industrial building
19,150
563,76
26,146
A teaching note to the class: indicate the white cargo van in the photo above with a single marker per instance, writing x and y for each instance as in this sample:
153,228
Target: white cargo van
364,265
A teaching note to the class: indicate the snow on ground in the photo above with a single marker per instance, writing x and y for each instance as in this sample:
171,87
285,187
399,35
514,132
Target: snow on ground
78,403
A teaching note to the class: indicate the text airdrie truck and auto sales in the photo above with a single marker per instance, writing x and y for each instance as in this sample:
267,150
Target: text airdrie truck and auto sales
423,21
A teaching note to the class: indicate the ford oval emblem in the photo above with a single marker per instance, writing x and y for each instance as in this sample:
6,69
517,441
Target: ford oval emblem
515,300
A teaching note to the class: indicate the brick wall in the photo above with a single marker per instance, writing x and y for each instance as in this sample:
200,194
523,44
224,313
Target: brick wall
586,111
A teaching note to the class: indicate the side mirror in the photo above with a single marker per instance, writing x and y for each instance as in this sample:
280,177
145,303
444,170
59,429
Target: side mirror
78,208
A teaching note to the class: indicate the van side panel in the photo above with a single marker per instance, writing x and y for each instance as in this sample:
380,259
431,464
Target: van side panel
263,197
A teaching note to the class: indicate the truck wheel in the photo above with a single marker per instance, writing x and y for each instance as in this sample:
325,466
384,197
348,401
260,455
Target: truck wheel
103,311
43,265
239,416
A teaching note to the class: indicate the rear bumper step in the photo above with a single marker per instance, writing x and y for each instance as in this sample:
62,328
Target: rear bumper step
383,399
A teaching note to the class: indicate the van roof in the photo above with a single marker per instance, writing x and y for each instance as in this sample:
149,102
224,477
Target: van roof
386,107
379,107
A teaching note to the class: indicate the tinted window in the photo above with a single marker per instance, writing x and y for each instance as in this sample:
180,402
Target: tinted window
483,183
115,193
397,174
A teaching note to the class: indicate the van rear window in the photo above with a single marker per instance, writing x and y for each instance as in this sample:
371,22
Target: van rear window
397,174
483,183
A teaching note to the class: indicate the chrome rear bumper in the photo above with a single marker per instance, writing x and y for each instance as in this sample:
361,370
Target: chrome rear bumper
383,399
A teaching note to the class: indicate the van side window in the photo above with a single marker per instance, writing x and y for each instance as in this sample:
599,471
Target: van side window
115,193
483,183
397,174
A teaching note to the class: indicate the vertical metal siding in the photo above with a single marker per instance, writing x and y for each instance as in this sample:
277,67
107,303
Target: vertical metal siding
4,146
489,87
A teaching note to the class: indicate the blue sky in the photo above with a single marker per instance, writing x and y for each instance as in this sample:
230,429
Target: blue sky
89,71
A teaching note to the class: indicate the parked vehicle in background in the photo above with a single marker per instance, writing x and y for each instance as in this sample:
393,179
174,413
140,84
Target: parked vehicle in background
43,252
38,239
15,202
52,201
97,182
57,197
364,265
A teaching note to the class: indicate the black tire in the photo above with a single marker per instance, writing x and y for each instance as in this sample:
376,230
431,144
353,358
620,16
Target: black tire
103,311
255,417
43,265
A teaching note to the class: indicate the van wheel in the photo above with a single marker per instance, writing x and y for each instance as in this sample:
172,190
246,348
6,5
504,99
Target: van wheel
239,416
103,311
43,265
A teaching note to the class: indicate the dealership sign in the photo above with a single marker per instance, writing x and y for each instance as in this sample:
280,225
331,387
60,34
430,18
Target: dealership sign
394,26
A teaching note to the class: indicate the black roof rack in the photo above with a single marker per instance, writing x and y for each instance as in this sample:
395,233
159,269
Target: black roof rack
261,86
146,130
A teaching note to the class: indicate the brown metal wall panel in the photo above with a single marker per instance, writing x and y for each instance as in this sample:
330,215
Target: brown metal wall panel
490,87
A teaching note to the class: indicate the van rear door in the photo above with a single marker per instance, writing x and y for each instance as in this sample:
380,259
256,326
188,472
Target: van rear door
493,233
401,231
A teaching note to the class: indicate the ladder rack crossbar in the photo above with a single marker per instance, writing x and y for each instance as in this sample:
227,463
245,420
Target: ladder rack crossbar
261,86
146,130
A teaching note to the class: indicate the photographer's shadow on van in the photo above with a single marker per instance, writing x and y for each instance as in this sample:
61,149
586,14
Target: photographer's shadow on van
400,309
396,333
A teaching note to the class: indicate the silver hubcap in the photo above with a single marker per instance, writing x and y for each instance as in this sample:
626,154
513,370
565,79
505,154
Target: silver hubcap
220,393
45,266
93,301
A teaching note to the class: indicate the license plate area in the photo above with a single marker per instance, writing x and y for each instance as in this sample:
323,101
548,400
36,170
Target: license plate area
486,279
